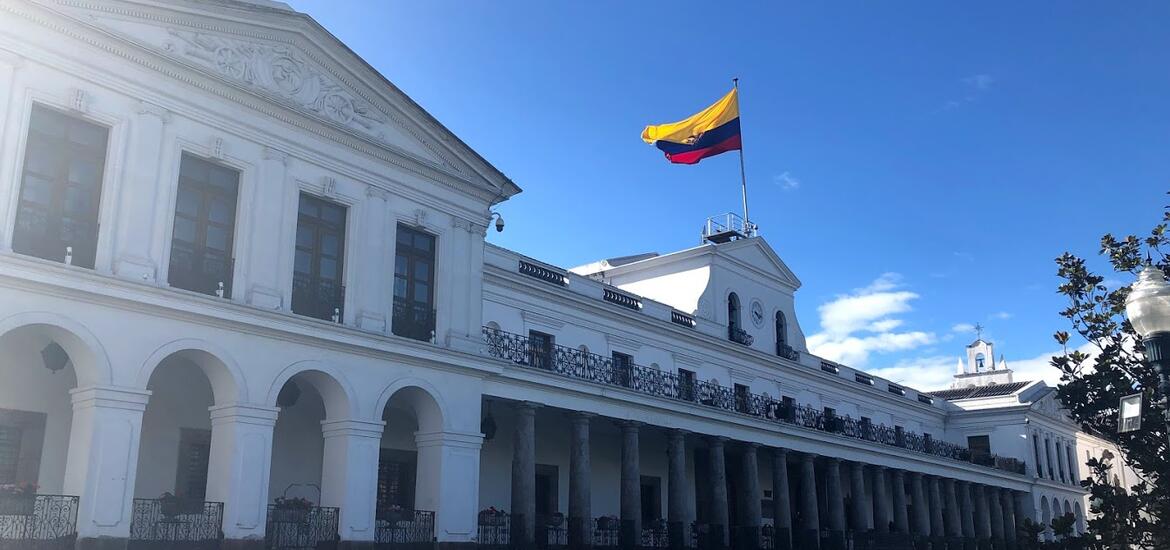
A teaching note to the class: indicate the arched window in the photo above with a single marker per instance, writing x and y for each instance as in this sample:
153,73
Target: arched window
733,326
781,331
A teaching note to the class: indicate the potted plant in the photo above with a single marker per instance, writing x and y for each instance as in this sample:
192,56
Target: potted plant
18,499
170,505
291,509
393,514
492,516
608,523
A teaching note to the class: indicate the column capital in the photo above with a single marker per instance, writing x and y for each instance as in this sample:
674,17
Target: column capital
115,397
629,425
352,428
246,413
780,452
808,457
581,417
879,468
833,460
527,407
752,445
716,440
469,440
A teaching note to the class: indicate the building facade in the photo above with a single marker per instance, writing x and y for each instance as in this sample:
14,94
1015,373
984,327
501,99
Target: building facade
245,296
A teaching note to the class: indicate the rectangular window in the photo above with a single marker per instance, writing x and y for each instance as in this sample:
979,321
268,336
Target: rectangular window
623,366
396,475
540,349
686,385
60,189
194,456
899,436
414,284
318,283
9,453
980,445
866,427
742,398
205,220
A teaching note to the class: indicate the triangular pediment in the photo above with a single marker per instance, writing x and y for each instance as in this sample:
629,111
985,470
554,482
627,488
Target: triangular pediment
758,255
286,58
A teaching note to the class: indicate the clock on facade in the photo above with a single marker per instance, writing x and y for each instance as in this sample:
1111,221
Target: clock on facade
757,313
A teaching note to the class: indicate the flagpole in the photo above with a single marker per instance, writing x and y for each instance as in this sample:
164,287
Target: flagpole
742,173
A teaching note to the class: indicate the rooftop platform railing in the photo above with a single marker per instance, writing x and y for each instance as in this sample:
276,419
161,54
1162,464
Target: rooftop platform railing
591,367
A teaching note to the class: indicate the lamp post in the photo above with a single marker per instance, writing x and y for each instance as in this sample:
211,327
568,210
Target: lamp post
1148,309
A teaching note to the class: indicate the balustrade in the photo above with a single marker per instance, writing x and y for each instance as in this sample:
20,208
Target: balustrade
171,522
591,367
38,521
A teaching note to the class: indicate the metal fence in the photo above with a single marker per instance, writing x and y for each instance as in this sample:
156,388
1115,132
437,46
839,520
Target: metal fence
408,527
37,522
176,523
313,528
591,367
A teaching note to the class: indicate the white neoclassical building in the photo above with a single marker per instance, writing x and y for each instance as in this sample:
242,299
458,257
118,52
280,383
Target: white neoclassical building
246,301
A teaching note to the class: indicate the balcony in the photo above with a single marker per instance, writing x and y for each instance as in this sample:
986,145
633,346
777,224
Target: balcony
169,522
38,521
786,351
401,527
318,297
414,320
739,336
200,269
590,367
294,527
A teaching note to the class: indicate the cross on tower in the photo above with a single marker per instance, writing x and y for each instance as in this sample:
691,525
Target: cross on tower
978,331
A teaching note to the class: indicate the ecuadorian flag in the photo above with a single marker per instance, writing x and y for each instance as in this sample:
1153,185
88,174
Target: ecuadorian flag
712,131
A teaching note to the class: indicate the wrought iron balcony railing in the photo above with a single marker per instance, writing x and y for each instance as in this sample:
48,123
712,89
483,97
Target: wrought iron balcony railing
786,351
200,269
591,367
177,522
295,528
38,521
405,526
413,320
739,336
318,297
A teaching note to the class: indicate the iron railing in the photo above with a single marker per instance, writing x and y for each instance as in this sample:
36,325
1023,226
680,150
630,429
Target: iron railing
786,351
200,269
655,536
38,521
606,531
494,529
542,273
301,528
740,336
405,527
591,367
175,522
415,320
318,297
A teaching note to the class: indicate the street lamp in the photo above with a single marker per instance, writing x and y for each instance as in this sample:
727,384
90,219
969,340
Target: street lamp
1148,309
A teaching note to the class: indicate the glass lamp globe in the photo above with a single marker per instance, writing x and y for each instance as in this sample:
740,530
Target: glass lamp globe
1148,304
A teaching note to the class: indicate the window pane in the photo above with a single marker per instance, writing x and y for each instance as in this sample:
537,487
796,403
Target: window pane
399,288
306,237
41,158
78,200
218,238
333,214
220,211
423,242
188,201
422,272
309,206
195,169
84,172
48,122
37,190
303,262
329,244
89,135
224,178
400,265
184,229
328,269
422,293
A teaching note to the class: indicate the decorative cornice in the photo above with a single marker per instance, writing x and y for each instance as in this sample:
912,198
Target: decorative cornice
187,73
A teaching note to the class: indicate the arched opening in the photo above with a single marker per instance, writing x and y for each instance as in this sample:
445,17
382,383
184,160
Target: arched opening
733,314
1045,519
1080,518
171,487
980,362
781,333
409,467
305,400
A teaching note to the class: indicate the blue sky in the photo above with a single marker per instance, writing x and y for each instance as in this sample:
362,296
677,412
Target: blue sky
918,165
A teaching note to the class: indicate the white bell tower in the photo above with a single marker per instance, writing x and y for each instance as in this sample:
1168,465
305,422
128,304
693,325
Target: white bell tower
981,368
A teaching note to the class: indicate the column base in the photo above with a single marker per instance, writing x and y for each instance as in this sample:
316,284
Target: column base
465,545
356,545
102,543
242,544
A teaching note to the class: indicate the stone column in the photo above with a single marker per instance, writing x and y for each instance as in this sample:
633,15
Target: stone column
954,522
349,475
448,467
781,507
373,296
1009,516
750,507
265,268
967,510
580,496
138,200
102,461
676,488
721,523
860,512
936,509
982,514
810,521
524,475
883,513
836,505
995,510
921,506
238,469
901,518
631,498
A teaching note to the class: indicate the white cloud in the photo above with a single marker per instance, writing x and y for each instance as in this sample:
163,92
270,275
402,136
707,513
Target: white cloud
963,328
855,325
1002,315
787,182
924,373
980,81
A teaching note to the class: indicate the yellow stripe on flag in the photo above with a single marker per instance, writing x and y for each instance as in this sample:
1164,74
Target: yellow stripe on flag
686,131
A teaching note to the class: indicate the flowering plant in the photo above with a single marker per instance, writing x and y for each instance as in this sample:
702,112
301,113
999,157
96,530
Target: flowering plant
22,489
293,503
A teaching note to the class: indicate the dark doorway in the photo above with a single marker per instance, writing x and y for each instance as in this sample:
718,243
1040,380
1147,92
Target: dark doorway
546,490
651,499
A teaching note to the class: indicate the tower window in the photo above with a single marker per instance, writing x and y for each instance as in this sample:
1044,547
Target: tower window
979,362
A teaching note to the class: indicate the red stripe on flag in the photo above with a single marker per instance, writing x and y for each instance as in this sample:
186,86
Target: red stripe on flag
732,143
